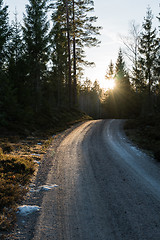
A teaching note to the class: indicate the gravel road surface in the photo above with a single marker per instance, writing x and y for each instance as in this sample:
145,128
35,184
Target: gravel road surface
107,189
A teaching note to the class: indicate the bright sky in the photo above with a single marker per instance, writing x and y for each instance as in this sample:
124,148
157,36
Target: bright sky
115,17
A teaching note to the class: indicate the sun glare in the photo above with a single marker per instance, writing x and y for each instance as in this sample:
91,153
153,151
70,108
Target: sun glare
108,84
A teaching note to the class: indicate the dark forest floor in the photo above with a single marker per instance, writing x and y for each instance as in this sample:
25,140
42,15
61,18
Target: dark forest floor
145,132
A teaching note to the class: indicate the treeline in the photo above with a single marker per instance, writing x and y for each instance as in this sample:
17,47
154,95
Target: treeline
41,59
137,90
90,97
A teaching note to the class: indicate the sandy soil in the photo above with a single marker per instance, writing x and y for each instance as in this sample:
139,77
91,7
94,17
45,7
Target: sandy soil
107,189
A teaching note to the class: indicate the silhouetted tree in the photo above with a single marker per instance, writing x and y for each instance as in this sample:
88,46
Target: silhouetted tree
110,71
80,33
148,48
7,93
59,57
4,31
35,32
16,61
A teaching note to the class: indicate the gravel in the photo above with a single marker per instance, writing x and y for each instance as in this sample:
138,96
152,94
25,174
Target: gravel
107,189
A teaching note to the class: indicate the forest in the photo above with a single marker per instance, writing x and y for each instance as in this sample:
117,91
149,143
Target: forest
42,60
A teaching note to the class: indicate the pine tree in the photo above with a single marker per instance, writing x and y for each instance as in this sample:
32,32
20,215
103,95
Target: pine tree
82,33
59,56
35,32
69,52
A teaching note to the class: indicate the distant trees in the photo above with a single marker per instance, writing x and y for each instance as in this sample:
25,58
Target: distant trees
121,75
110,71
137,91
117,100
90,95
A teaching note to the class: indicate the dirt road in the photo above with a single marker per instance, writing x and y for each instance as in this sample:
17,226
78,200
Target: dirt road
107,189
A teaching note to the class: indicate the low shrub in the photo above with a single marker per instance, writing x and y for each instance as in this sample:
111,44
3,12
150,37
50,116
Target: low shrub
15,172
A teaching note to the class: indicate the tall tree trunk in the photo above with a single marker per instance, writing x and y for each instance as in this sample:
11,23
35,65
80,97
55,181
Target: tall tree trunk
37,88
74,60
69,56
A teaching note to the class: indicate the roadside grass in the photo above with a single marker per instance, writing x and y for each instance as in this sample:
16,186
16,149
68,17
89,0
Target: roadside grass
15,173
145,132
22,146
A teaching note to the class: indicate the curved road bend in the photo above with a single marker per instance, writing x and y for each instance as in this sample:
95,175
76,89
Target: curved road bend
108,189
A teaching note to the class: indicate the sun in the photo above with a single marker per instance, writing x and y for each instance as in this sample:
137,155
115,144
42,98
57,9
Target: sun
108,84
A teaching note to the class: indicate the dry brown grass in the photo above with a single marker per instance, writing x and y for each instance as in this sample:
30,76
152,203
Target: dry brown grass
17,164
18,157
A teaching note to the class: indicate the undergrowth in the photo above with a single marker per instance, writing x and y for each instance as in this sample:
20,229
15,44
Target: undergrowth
15,172
146,133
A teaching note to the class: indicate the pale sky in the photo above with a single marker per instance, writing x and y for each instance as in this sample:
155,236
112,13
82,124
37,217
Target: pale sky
115,17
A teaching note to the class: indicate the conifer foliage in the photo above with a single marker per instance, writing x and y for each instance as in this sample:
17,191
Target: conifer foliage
137,92
35,33
75,24
41,58
148,48
4,31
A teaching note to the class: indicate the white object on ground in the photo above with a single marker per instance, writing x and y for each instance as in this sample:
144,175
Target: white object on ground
27,209
43,188
47,187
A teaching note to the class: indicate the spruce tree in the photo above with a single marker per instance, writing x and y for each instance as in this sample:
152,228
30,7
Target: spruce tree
157,64
110,71
15,59
148,49
35,33
4,31
7,94
121,75
122,91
